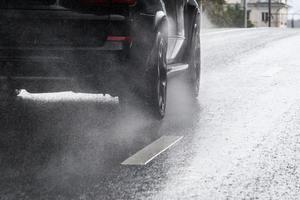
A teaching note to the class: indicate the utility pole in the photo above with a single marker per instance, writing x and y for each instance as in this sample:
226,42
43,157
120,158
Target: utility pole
270,13
245,14
293,21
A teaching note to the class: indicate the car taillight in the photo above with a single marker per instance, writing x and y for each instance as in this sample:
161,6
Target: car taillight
119,39
107,2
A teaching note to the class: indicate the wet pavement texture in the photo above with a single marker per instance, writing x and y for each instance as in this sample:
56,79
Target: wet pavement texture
240,138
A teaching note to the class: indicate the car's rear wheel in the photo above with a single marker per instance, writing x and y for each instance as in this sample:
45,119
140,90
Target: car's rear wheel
195,62
157,99
152,97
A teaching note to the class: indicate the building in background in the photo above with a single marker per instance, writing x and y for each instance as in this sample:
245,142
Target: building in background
258,12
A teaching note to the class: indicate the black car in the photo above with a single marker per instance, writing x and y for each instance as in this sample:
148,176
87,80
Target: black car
117,47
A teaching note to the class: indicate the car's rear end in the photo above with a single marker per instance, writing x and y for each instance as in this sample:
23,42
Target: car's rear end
51,45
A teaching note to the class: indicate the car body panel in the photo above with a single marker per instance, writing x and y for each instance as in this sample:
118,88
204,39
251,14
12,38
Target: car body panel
64,38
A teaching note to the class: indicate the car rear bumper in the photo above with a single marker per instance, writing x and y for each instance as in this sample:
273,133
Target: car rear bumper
63,68
14,59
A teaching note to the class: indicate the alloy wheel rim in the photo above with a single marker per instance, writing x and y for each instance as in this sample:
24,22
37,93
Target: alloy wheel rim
161,79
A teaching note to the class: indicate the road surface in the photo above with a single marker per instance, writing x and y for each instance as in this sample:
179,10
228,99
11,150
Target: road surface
240,140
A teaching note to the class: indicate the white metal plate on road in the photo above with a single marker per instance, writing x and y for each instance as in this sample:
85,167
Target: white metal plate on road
144,156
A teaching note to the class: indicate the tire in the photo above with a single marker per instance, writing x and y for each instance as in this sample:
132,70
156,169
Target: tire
157,80
194,71
153,97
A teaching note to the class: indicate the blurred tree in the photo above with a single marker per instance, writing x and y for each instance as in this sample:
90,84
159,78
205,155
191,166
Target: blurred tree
234,16
223,15
214,9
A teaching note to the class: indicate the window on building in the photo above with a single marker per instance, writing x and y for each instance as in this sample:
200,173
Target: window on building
264,16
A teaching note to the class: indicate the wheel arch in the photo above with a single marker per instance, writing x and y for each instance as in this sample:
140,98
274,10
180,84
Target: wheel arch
193,3
161,22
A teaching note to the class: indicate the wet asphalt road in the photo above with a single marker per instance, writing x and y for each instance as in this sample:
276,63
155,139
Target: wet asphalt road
241,136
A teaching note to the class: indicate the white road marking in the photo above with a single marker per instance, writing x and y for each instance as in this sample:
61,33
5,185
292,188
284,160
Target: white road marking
272,72
147,154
